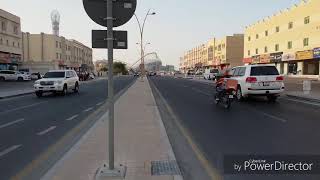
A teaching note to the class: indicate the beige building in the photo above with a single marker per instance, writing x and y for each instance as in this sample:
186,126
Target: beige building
43,52
216,53
10,41
290,39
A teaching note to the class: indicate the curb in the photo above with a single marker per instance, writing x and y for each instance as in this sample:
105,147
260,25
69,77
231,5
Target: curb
303,98
16,95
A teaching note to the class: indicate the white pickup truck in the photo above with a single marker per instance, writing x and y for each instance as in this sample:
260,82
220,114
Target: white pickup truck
210,74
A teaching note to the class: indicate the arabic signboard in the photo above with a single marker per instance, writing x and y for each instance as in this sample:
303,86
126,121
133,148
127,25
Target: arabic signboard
265,58
247,60
303,55
316,52
256,59
276,57
289,57
4,57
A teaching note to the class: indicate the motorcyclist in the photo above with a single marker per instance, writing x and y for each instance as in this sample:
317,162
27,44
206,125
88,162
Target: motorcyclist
221,84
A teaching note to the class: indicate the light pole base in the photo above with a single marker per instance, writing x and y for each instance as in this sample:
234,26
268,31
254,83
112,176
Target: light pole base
104,173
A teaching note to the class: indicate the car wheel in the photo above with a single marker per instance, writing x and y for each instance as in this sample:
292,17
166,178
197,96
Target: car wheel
2,79
65,90
39,94
76,88
20,79
272,98
239,94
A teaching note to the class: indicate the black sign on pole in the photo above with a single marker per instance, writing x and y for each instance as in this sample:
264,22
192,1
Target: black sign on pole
99,39
123,10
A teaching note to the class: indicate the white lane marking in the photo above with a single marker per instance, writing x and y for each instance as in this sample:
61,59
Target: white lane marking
201,92
11,123
100,103
72,117
270,115
10,149
46,131
23,107
89,109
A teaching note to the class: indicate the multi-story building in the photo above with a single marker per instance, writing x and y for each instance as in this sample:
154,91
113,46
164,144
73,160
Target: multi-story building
229,51
10,41
290,39
216,53
43,52
101,65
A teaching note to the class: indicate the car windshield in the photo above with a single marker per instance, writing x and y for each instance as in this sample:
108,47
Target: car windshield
54,75
264,71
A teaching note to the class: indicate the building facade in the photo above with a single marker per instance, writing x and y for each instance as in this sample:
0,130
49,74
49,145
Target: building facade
44,52
10,41
289,39
216,53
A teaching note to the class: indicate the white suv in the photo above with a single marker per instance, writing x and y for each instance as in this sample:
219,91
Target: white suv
8,75
57,81
259,80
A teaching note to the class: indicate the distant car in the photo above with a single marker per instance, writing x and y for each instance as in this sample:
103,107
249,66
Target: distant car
190,72
9,75
136,74
36,76
57,81
258,80
152,73
210,74
91,76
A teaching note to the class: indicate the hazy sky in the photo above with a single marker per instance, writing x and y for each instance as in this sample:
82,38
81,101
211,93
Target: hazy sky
178,26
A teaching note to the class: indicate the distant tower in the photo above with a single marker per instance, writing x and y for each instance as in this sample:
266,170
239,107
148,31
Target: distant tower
55,18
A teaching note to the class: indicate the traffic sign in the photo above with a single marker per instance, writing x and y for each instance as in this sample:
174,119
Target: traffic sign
99,39
122,12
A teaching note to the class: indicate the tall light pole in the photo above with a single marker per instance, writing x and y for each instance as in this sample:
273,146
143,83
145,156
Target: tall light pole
144,48
141,28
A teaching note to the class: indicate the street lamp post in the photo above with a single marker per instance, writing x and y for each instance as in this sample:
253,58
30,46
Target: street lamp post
141,28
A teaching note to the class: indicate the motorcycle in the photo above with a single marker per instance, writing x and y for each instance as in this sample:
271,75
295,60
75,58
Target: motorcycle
226,92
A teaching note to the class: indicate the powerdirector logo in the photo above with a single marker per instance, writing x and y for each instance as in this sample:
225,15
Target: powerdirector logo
256,164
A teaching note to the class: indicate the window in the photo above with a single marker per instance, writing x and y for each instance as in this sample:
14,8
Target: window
13,44
277,29
257,36
276,47
3,26
223,45
56,44
15,29
57,55
7,42
265,49
306,42
1,41
264,70
59,44
18,44
266,33
257,51
236,72
242,71
249,52
249,38
290,25
290,45
307,20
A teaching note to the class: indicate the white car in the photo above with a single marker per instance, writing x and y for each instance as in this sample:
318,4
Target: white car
9,75
210,74
57,81
258,80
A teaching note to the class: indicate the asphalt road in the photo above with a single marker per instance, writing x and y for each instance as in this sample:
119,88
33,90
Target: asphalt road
29,125
288,127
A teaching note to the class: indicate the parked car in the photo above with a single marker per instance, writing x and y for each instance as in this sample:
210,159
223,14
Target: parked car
9,75
57,81
36,76
258,80
210,74
190,72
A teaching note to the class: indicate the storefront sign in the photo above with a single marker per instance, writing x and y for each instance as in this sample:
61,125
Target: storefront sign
265,58
15,58
276,57
302,55
316,52
289,57
256,59
247,60
4,57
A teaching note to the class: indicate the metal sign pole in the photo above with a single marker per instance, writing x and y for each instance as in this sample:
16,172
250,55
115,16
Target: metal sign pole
110,83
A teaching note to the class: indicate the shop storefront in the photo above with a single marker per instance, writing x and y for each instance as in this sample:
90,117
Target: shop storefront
310,65
276,59
289,63
9,61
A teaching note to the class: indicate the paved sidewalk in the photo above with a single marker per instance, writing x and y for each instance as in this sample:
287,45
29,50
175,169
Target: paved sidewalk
140,138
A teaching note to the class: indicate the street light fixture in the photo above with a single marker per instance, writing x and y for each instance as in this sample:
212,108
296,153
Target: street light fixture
141,28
